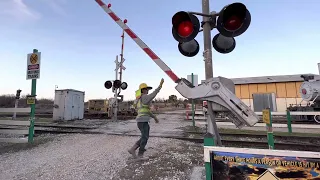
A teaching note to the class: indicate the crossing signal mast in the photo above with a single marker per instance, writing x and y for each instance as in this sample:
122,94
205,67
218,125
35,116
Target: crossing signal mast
219,92
233,20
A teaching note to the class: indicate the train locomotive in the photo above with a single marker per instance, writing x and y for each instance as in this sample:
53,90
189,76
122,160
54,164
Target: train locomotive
310,93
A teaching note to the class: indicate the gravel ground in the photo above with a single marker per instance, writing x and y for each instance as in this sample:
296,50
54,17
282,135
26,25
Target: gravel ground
168,123
100,156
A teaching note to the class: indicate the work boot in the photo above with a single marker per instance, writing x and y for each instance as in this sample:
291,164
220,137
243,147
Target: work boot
133,149
141,157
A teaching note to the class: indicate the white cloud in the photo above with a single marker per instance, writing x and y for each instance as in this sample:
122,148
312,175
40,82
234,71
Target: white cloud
17,9
56,6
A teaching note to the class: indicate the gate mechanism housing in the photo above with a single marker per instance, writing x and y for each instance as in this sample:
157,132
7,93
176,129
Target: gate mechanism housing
220,92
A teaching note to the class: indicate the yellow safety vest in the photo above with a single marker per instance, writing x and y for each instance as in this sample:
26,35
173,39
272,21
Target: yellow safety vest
143,110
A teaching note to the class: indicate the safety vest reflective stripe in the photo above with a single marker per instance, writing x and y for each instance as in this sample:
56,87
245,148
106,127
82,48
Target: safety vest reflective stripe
142,109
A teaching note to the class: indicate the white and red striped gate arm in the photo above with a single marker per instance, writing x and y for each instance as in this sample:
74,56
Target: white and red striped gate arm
140,43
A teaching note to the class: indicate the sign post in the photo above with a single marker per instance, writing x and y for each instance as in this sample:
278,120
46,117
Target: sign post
33,73
266,116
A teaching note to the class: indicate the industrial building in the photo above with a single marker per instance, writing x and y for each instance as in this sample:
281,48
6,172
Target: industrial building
276,92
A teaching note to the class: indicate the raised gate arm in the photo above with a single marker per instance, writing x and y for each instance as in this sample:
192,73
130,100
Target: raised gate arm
139,42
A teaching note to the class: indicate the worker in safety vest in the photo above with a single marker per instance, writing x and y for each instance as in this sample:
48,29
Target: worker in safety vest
144,115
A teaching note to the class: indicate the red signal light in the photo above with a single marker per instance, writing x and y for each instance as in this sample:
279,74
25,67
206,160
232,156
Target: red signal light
234,19
233,23
185,28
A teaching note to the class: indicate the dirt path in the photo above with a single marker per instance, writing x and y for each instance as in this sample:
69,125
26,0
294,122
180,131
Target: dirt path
98,157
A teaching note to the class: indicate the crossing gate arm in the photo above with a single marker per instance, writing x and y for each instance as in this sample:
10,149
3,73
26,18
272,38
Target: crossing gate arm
139,42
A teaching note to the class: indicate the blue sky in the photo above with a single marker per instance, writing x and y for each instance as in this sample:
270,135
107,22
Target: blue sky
79,43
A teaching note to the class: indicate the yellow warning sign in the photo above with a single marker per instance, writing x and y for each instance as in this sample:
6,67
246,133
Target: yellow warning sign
34,58
31,100
266,116
267,175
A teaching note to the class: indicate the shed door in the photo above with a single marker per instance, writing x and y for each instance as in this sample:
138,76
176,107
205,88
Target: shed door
263,101
75,106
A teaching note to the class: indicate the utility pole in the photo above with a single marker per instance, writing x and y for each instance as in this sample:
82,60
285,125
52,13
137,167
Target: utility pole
213,128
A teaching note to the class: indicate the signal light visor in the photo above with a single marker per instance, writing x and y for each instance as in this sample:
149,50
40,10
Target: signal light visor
189,49
223,44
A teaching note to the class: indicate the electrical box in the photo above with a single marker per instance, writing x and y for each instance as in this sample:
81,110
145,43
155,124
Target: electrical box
68,104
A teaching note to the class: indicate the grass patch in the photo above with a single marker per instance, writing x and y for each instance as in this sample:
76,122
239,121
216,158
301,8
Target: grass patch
243,131
240,131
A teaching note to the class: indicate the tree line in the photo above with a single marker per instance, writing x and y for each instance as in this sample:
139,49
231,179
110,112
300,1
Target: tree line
7,101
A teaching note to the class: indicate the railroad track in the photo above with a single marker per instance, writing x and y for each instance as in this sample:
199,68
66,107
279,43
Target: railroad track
229,140
277,120
297,145
86,116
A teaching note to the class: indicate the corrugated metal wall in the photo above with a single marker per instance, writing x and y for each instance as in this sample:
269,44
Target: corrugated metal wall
286,93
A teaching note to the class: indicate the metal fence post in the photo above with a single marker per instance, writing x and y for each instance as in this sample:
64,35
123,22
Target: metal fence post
289,122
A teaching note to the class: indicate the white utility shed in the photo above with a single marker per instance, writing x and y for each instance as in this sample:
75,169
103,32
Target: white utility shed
68,104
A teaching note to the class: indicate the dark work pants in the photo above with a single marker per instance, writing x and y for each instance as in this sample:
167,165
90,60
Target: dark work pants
142,142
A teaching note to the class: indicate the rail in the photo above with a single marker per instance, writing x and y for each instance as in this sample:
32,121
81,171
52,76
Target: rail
14,131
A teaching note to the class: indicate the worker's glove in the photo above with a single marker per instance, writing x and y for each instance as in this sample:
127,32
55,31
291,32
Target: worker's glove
161,83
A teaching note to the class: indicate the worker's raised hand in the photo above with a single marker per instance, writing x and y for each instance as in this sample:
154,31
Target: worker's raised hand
161,82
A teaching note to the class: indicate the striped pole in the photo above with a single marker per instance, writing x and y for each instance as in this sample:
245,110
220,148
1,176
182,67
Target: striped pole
139,42
121,55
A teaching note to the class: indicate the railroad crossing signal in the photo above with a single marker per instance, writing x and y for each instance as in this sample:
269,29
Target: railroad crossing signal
120,64
185,27
18,94
115,85
233,20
